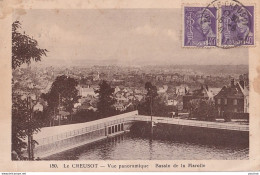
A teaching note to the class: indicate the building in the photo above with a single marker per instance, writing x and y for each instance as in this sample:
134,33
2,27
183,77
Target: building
181,90
214,91
119,107
85,91
38,107
232,99
202,93
163,89
117,89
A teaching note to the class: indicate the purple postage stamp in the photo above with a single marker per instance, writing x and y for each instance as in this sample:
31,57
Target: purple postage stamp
200,26
237,25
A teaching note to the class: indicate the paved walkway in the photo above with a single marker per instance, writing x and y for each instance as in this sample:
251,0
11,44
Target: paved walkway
51,134
205,124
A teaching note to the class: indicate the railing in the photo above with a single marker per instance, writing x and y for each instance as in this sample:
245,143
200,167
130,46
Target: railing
225,126
81,131
99,126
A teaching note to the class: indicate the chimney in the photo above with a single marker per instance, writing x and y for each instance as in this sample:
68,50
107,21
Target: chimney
242,83
232,82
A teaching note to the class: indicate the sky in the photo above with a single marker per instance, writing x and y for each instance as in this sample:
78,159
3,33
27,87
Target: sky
118,36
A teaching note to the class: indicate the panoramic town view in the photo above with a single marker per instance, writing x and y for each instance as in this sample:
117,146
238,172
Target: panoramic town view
82,93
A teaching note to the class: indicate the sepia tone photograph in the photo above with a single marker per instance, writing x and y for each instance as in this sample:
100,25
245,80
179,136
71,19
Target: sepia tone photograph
116,84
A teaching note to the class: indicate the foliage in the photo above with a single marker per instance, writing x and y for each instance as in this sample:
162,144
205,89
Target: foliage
105,100
159,106
154,104
151,90
202,109
24,48
25,122
63,94
146,107
84,115
134,105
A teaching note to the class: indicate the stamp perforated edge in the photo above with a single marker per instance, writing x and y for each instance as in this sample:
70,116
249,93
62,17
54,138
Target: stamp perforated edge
217,24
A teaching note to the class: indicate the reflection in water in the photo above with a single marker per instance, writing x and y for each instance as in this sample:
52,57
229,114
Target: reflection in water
130,147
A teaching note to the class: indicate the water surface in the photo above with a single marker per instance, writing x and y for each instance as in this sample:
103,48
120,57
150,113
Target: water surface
130,147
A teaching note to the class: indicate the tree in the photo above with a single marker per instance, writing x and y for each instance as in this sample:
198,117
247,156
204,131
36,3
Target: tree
154,103
159,106
105,100
202,109
19,115
147,106
62,95
84,115
24,121
24,48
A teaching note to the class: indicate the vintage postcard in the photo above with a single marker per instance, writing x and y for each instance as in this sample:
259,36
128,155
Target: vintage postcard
129,85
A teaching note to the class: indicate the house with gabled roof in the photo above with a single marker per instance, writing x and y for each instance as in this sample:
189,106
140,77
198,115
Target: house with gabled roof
202,93
233,98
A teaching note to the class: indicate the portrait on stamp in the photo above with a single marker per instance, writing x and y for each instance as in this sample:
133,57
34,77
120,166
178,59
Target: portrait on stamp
238,25
199,26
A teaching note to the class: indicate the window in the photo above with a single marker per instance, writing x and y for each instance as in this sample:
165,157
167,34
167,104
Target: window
225,101
122,127
235,110
235,101
219,101
109,130
113,129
